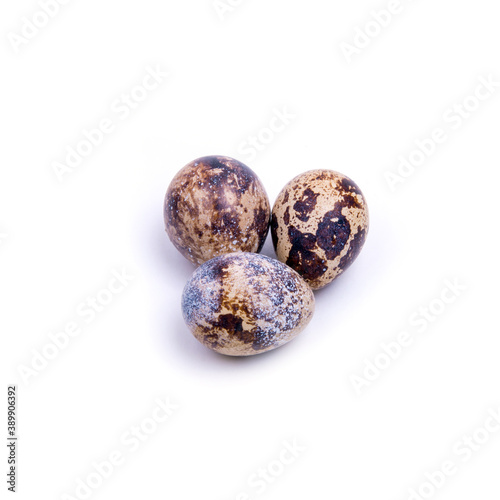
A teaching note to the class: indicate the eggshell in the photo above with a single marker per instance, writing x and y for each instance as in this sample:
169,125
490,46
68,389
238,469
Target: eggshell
319,225
216,205
243,304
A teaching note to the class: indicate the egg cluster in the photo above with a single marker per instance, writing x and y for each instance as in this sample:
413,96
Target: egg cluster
217,214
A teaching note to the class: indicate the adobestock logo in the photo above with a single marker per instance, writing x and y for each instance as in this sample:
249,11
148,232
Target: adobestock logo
365,34
122,108
254,144
130,441
30,28
453,118
419,322
265,476
88,310
462,451
223,7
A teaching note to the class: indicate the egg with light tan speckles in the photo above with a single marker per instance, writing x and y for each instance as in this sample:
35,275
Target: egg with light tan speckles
241,304
216,205
319,225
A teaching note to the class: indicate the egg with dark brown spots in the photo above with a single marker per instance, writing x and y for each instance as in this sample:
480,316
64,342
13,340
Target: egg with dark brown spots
241,304
216,205
319,225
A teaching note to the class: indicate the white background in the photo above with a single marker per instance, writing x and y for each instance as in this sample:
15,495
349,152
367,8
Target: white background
61,241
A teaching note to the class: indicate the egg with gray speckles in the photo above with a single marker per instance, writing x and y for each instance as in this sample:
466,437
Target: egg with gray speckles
319,225
241,304
216,205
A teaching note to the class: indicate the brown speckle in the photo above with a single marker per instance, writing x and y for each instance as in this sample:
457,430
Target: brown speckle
286,216
244,303
319,225
333,233
305,205
216,205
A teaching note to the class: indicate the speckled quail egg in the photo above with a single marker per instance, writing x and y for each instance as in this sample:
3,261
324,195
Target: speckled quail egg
242,304
319,225
216,205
